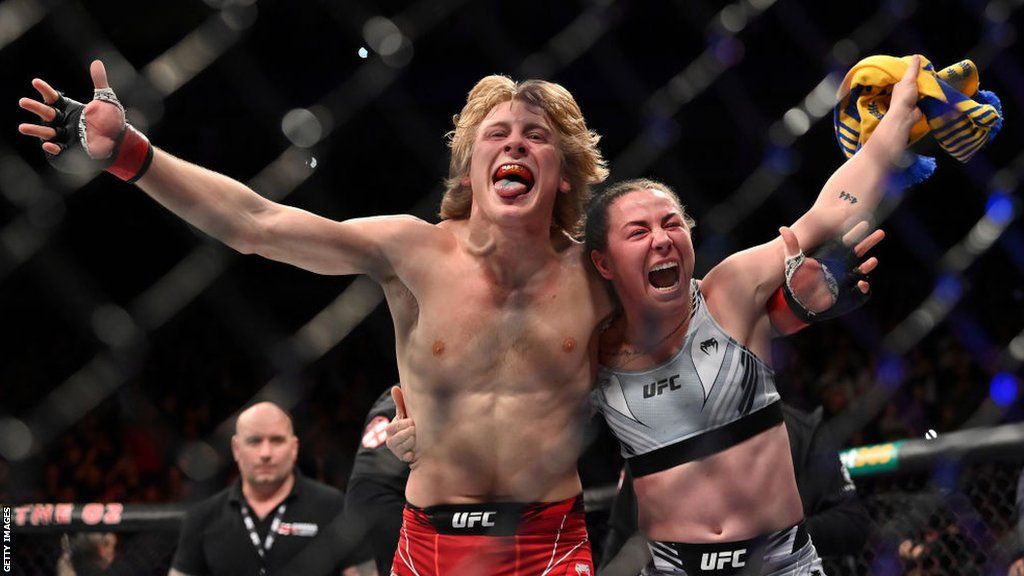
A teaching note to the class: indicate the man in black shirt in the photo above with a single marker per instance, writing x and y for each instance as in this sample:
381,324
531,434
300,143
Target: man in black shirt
376,488
263,521
837,519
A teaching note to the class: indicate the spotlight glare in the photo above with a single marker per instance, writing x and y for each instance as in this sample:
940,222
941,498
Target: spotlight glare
948,289
890,370
999,208
796,121
1003,389
15,439
302,127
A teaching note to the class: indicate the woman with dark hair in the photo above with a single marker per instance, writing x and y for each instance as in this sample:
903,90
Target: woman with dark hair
686,382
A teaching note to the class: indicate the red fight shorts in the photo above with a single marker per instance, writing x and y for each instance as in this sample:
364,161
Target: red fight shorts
502,539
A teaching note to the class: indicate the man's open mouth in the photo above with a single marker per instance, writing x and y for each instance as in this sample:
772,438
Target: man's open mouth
511,180
664,276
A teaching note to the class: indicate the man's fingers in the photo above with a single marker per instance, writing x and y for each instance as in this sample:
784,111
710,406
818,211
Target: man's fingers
51,148
99,74
868,243
402,443
397,425
399,398
395,436
790,241
45,90
403,437
38,131
44,112
863,286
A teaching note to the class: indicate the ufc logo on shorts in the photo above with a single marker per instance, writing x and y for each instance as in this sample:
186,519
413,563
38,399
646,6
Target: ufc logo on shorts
470,519
719,560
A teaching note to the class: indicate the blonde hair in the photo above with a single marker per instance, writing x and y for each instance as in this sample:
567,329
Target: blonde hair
581,160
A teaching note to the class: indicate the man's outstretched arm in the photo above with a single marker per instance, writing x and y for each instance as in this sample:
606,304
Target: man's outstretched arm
236,215
221,206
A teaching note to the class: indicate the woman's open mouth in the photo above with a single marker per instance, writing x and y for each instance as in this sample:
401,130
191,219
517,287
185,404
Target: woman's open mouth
664,276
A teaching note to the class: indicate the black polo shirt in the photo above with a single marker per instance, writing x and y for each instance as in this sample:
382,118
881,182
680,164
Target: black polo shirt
376,488
215,542
373,459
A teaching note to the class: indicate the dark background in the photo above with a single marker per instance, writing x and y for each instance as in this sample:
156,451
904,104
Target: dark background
102,397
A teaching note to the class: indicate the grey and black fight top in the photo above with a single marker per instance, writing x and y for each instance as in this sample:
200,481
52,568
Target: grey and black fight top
712,394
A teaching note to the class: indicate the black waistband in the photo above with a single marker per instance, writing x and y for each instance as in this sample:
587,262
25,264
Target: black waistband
707,443
739,558
487,519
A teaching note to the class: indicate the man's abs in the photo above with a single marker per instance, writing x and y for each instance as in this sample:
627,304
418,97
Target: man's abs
496,447
496,379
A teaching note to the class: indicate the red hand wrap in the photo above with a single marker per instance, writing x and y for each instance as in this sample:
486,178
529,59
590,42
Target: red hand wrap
132,155
781,315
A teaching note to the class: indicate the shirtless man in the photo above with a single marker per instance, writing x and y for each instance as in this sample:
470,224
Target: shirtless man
495,309
685,380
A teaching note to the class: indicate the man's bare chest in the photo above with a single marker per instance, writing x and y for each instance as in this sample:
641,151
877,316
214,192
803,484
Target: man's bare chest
465,319
483,315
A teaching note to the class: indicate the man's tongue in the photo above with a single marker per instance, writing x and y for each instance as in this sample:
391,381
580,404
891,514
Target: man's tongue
507,188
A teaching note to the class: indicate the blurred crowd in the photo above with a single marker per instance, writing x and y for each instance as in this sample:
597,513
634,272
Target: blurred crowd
937,386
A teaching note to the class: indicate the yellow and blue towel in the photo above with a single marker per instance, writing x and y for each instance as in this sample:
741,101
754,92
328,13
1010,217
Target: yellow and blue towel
958,116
